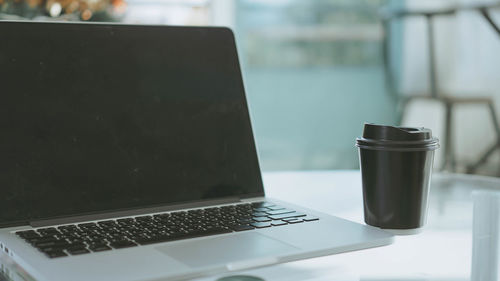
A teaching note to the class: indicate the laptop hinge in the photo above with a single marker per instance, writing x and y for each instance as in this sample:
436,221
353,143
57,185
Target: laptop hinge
253,199
135,212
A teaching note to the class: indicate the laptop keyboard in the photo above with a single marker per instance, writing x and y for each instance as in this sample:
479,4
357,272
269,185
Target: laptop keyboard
83,238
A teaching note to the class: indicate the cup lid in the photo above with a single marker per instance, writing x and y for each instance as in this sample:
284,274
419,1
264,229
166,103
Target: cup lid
382,137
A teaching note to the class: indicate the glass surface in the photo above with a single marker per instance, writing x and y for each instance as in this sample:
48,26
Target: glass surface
108,117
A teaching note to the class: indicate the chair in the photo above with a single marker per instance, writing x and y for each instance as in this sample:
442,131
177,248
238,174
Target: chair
449,102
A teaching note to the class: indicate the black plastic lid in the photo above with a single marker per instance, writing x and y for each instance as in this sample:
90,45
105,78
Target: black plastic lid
380,137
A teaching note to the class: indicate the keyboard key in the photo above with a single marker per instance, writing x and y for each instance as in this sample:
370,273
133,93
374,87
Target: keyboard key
162,216
107,223
76,245
41,240
48,232
245,221
289,219
56,254
261,224
242,227
51,249
156,239
261,219
125,221
122,244
259,214
65,228
310,218
88,225
280,211
99,247
287,215
278,223
244,207
273,208
50,244
78,251
294,220
210,231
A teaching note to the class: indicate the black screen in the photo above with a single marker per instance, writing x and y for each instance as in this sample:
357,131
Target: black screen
97,117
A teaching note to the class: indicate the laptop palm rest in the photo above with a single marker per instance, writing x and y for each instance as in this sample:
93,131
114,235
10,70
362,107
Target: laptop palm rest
227,250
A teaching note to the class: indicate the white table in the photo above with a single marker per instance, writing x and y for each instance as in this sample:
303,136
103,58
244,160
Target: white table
443,251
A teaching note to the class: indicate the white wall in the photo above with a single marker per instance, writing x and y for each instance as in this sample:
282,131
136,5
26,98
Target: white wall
468,59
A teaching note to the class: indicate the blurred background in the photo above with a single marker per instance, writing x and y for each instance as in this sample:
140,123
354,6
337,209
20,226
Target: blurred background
316,70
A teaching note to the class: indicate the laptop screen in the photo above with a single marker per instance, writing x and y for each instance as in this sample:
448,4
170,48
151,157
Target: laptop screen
97,118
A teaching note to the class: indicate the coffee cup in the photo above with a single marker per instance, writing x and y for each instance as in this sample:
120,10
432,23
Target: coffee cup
396,165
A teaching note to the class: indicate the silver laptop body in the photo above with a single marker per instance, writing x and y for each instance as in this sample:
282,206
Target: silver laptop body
132,129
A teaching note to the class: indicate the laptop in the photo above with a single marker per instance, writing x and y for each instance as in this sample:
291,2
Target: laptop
127,153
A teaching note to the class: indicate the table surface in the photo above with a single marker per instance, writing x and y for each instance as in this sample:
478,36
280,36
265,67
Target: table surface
442,251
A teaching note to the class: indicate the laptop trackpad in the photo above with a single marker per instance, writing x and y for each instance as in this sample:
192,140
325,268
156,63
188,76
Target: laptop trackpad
226,249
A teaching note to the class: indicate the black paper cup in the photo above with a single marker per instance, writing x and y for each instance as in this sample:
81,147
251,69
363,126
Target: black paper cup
396,165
